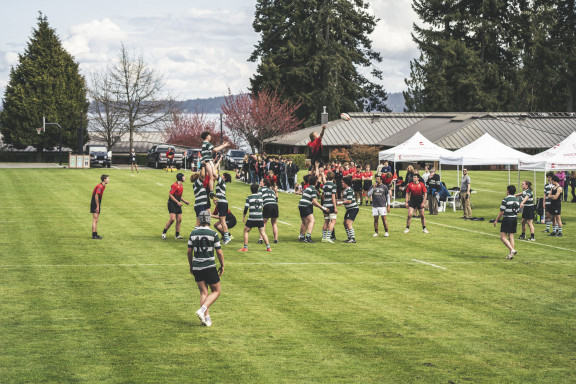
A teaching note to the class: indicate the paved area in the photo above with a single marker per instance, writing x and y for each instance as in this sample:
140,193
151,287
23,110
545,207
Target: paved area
56,165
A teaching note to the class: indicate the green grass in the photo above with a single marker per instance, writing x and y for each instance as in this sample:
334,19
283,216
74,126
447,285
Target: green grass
121,310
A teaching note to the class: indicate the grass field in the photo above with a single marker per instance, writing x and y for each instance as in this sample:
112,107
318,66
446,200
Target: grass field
445,307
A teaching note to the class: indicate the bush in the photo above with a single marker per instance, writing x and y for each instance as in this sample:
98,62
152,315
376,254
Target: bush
298,159
340,155
365,154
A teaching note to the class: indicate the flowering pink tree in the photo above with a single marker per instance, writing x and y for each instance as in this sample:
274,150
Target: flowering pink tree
185,129
257,118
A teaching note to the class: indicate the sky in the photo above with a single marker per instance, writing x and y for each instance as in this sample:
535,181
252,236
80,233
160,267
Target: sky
200,47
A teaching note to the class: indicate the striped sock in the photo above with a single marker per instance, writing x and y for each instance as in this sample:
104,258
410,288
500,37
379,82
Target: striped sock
559,229
323,234
352,233
555,229
328,234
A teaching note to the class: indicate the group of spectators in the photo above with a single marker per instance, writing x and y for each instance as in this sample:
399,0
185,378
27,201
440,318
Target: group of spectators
281,171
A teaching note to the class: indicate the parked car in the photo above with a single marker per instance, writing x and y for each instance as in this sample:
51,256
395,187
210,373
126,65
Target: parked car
192,156
234,158
98,155
157,156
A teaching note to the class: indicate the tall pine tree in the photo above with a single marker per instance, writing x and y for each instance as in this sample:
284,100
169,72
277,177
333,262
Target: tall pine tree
45,82
313,50
470,52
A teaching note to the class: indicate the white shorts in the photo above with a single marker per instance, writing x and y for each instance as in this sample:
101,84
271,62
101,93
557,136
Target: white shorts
330,216
380,211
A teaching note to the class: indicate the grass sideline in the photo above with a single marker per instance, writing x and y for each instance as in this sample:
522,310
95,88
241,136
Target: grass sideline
76,310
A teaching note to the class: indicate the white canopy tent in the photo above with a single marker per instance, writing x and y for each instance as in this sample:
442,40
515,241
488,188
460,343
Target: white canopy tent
561,157
416,148
485,150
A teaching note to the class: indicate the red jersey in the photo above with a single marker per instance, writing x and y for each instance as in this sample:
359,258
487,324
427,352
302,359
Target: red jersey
367,174
345,172
99,190
273,179
357,175
177,190
315,146
353,170
416,190
170,154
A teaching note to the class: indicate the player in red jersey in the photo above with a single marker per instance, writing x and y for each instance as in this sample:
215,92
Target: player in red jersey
170,159
175,206
96,204
416,194
357,185
367,183
315,145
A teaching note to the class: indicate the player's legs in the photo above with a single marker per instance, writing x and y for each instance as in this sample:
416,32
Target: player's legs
409,218
218,227
275,228
246,235
385,223
422,218
170,221
178,222
263,235
222,223
375,224
311,221
530,226
95,222
523,225
508,242
265,221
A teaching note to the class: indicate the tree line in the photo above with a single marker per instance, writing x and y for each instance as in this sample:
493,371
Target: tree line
493,55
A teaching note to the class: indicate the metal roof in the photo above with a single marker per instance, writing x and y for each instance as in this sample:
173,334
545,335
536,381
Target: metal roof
450,130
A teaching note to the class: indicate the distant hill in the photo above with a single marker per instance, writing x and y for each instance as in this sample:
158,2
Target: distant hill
212,105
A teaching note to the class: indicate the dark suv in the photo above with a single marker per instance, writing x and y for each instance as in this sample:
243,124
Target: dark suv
98,155
234,159
157,157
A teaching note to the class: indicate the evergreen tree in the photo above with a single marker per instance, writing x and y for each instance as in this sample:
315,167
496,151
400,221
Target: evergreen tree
470,55
46,82
312,50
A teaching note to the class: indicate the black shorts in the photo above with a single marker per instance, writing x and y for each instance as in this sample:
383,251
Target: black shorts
367,184
208,275
528,212
169,162
306,211
200,208
351,214
416,202
357,186
222,209
133,161
174,208
555,209
548,206
230,221
509,225
270,211
93,207
254,223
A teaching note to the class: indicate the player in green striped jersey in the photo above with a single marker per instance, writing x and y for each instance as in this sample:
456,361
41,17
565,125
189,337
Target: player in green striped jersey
207,150
329,202
202,243
352,209
509,209
270,207
253,207
528,209
222,205
306,208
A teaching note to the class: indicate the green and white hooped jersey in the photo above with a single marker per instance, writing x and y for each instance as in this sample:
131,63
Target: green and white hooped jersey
327,192
203,242
307,195
207,151
254,203
349,195
547,189
200,194
268,196
221,190
530,201
510,206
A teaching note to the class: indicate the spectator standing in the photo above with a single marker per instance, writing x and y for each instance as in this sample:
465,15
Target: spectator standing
292,174
133,160
96,204
465,194
434,185
573,185
555,197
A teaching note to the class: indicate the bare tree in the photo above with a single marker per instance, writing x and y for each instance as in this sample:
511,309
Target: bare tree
108,122
139,91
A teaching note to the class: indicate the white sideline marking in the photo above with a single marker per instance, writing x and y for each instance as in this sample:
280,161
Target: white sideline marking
433,265
502,261
160,184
